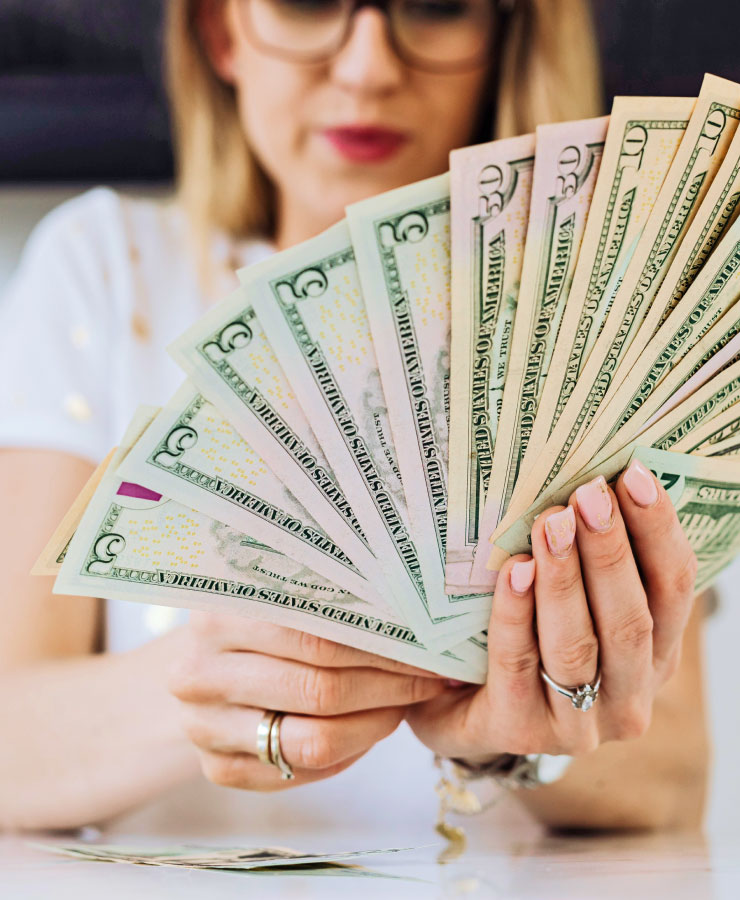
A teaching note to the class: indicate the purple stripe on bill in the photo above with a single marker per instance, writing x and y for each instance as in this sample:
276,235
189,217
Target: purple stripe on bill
128,489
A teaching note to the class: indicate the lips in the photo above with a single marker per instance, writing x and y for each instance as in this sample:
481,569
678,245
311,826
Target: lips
365,143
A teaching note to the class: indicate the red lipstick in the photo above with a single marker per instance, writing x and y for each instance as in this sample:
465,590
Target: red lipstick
361,143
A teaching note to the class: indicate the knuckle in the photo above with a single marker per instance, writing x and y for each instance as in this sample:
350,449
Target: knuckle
612,559
685,575
186,678
316,650
564,583
517,663
520,671
583,744
633,631
321,691
206,624
665,522
418,688
317,750
632,721
578,653
224,769
197,732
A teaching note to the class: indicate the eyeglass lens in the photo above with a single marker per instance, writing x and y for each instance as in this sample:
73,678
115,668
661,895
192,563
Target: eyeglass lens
429,33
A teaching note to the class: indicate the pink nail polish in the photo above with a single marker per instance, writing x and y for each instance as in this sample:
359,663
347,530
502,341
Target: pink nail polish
595,505
560,532
522,576
640,484
454,683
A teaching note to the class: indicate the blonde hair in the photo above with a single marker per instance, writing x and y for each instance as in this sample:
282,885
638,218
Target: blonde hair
549,72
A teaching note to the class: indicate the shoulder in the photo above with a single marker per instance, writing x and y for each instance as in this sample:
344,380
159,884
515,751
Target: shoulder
101,221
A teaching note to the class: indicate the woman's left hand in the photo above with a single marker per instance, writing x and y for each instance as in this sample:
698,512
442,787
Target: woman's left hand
612,587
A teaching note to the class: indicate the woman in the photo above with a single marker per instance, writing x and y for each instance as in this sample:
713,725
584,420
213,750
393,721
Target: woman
286,111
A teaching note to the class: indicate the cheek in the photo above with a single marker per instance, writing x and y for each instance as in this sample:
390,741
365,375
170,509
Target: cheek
269,105
451,109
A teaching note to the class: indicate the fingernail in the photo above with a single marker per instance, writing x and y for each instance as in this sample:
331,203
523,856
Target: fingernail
595,505
640,484
522,576
560,531
454,683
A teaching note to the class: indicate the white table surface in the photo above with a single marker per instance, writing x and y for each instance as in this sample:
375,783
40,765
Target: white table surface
503,865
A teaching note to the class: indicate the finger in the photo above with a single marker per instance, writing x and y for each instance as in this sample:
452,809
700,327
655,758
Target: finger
667,562
246,772
232,632
513,653
306,742
616,597
567,640
266,682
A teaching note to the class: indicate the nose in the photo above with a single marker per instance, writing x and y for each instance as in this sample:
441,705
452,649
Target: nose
367,62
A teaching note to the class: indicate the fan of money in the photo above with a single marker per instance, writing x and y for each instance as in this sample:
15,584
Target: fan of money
372,421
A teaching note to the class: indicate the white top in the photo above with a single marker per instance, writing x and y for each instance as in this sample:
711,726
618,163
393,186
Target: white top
105,283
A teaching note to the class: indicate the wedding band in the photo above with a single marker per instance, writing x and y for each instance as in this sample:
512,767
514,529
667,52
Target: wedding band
263,737
582,697
276,752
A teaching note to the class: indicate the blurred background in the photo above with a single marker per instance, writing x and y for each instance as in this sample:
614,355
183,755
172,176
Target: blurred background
82,103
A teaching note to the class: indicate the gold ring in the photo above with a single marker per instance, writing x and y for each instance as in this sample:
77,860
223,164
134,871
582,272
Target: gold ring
263,737
275,751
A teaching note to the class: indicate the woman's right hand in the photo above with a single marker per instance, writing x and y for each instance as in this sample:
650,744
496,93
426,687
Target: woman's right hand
338,701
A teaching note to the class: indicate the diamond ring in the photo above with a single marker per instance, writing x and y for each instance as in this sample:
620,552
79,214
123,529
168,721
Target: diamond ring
582,697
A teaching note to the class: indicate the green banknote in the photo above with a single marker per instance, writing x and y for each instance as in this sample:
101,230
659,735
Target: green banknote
708,402
134,544
309,302
228,358
191,454
491,187
714,434
706,494
643,137
704,322
258,860
710,131
567,159
402,245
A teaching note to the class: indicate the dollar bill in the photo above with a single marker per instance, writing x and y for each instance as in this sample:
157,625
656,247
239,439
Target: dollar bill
194,856
402,244
728,447
309,302
713,220
705,321
710,131
228,358
706,495
713,433
727,355
191,454
134,544
707,402
718,211
491,186
643,138
567,159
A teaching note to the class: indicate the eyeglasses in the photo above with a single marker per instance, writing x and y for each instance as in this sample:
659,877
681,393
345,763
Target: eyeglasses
433,35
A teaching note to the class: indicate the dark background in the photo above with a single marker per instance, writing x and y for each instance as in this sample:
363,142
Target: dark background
81,93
